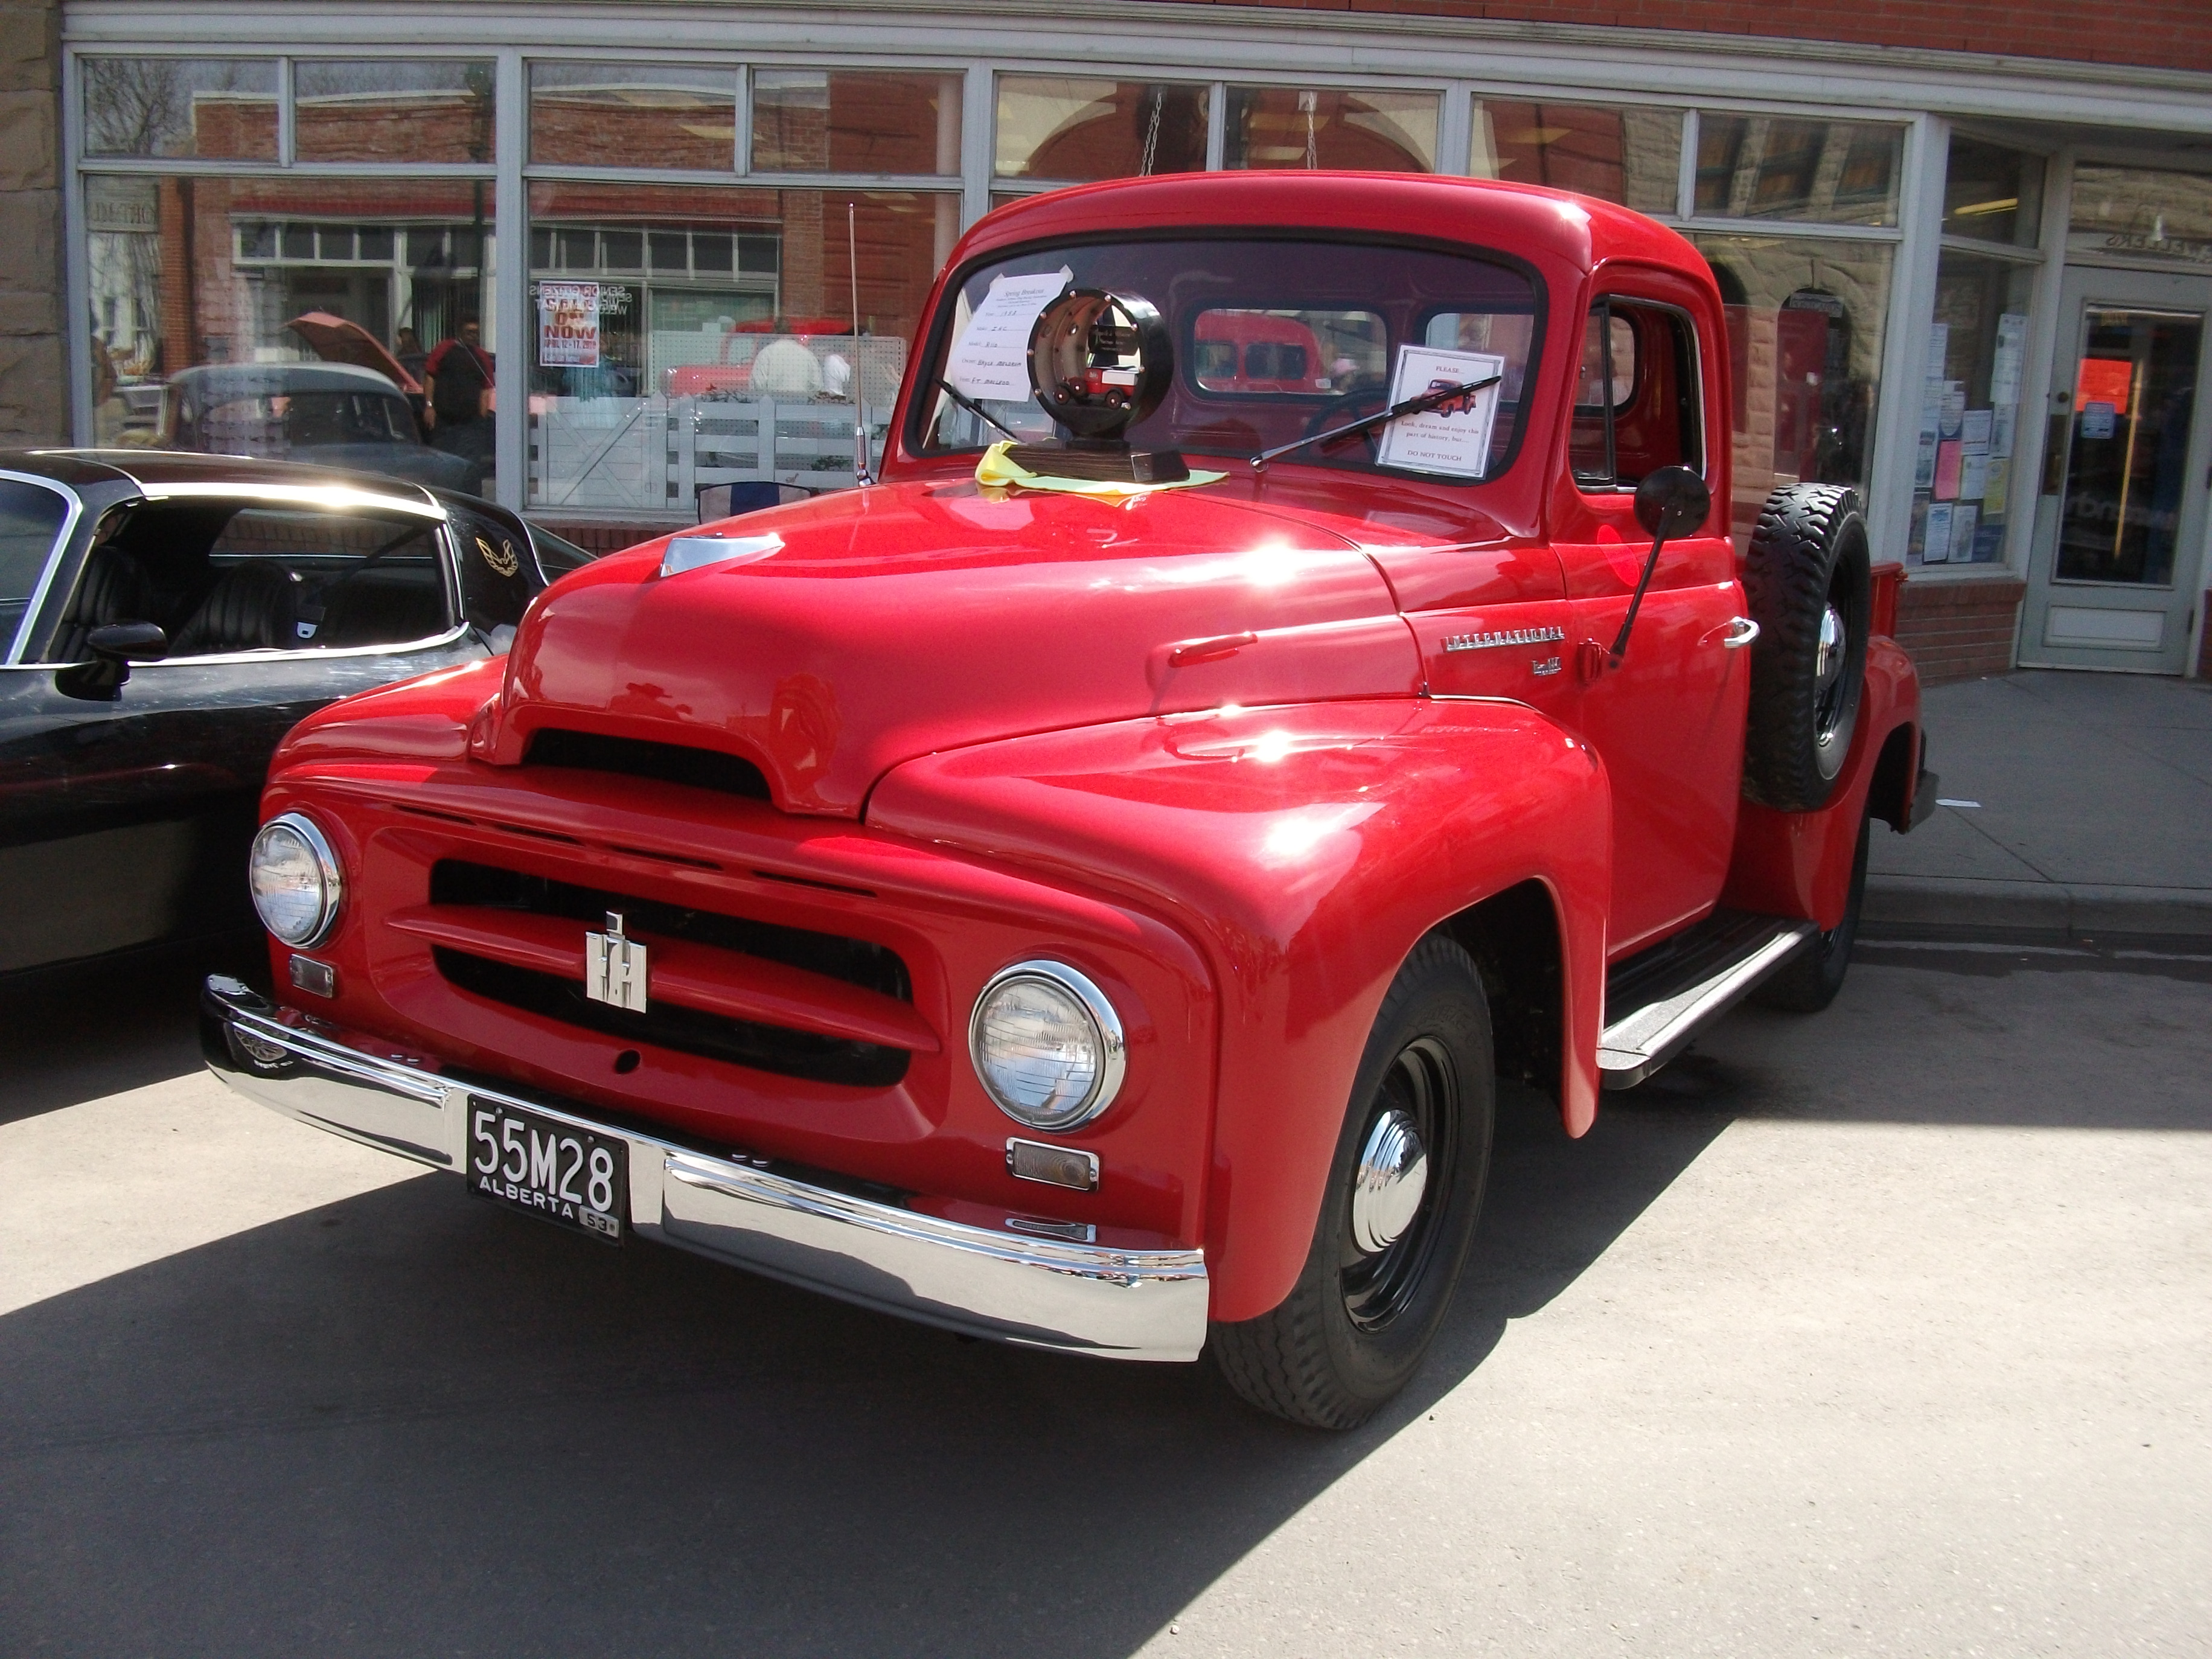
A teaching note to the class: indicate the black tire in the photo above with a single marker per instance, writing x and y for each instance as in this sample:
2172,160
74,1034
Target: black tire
1808,572
1355,1327
1811,979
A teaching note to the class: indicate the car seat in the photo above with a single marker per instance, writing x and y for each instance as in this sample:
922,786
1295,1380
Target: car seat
113,588
253,606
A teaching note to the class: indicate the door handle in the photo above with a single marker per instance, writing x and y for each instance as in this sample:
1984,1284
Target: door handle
1741,631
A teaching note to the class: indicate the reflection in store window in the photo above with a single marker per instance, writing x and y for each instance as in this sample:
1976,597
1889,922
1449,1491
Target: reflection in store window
855,121
220,109
305,287
1969,412
590,114
2139,214
1762,167
1805,320
1628,156
1371,132
1078,129
685,336
375,109
1991,193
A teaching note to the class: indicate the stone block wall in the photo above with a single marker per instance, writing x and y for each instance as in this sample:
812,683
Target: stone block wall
33,382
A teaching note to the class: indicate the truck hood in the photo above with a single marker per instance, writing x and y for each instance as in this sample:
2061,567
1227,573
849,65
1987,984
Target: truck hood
859,630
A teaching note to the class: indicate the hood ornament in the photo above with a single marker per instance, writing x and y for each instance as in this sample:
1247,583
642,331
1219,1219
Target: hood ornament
686,553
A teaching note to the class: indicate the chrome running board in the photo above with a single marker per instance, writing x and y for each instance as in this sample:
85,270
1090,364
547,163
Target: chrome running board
1656,1001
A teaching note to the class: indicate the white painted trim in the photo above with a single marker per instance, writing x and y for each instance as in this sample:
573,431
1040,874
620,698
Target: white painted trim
514,329
1905,345
76,320
1268,43
979,140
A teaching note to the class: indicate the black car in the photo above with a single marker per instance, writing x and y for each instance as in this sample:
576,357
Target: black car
164,619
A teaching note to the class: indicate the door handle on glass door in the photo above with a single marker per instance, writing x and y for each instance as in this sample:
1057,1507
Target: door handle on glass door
1741,631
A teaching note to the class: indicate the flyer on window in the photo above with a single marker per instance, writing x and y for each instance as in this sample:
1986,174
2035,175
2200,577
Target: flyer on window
991,358
569,325
1453,438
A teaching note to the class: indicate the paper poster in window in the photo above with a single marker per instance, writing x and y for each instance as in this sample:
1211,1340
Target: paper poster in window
1964,517
1453,438
569,325
1936,549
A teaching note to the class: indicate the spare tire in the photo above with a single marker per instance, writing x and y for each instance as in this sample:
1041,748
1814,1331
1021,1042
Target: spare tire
1812,595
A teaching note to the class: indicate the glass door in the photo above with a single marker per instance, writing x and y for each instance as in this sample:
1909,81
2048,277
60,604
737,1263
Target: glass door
2114,577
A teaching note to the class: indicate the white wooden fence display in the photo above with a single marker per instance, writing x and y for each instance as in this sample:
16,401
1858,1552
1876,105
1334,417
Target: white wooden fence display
650,454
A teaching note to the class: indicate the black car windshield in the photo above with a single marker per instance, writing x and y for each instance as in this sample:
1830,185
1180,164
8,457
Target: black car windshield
1275,339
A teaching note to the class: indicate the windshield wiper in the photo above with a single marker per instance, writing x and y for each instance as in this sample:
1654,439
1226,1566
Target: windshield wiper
1429,399
975,408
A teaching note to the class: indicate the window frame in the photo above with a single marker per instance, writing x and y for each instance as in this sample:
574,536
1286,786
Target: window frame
19,640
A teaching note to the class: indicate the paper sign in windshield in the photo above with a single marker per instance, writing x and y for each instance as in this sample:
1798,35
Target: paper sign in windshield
991,359
1453,438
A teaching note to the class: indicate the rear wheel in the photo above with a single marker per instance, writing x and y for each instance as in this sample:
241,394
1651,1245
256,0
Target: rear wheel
1811,978
1810,585
1404,1188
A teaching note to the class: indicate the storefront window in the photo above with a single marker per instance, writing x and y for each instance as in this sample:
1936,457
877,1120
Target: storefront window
1806,318
1631,157
1300,127
1992,194
291,317
212,109
375,109
1969,411
610,114
2137,213
1763,167
855,121
1077,129
682,335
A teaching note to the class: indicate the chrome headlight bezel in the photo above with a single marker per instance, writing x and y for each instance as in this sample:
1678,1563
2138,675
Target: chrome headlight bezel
329,873
1106,1026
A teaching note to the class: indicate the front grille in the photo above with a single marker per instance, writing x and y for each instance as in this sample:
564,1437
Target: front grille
637,757
774,1048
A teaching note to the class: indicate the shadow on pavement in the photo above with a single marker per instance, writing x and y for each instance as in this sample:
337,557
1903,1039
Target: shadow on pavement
77,1033
406,1423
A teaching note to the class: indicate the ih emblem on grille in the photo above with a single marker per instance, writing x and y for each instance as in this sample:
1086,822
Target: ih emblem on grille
614,967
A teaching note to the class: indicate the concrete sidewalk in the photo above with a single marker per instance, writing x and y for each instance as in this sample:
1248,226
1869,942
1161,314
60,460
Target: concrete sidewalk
2091,821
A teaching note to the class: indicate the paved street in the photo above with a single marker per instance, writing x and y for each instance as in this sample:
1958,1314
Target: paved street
1880,1332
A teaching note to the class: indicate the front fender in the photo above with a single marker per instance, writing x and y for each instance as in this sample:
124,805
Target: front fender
1306,850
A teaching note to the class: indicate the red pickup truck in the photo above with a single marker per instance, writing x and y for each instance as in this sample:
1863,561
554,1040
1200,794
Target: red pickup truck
1084,891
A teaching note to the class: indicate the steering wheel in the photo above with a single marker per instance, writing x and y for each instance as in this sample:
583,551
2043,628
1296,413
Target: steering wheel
1367,395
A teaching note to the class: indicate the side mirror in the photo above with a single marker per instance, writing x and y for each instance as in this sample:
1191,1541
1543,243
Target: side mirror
1671,501
114,647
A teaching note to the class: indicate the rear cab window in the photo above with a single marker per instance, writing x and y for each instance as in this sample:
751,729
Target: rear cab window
32,519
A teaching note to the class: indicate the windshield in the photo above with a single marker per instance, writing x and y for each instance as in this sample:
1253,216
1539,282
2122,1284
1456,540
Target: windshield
1275,340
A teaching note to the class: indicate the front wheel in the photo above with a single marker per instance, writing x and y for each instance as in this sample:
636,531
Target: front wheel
1404,1188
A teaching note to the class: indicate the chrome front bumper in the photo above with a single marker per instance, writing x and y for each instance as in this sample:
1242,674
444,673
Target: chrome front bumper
1010,1286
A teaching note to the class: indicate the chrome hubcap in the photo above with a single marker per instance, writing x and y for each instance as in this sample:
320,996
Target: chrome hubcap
1828,659
1388,1188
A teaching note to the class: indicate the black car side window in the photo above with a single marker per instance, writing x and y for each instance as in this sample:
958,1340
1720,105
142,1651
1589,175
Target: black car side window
220,578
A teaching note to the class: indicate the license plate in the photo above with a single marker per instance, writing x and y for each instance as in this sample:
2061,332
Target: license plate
546,1168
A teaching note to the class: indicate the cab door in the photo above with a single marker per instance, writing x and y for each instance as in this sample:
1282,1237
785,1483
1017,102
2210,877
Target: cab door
1667,720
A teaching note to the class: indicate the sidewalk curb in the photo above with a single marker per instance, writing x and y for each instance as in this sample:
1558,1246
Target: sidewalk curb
2035,912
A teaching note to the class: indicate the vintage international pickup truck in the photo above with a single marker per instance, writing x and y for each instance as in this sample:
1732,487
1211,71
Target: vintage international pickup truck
1083,888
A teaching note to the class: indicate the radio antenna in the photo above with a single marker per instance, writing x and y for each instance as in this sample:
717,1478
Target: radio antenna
863,461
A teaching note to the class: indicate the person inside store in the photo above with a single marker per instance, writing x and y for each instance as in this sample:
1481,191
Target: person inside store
457,386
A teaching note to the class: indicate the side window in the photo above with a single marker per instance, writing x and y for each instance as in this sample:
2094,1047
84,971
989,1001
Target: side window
1636,408
499,577
30,519
219,578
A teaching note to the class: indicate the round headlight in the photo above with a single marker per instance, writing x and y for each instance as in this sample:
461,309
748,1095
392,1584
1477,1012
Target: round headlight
1046,1045
295,880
